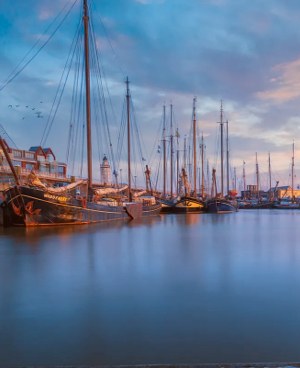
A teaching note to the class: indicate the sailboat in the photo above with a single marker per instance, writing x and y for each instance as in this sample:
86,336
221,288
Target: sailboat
218,203
189,202
143,205
289,202
34,204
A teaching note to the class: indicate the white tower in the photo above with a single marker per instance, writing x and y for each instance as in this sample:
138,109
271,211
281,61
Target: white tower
105,172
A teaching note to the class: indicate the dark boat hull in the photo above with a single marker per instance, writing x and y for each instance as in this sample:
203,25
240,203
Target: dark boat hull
184,205
26,206
151,210
137,210
219,205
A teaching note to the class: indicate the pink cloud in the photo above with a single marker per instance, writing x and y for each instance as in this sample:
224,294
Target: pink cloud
286,83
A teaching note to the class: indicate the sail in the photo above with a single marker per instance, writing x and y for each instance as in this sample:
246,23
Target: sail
35,181
103,191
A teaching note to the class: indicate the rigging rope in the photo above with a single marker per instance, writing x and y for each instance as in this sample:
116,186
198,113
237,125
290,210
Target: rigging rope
60,90
19,68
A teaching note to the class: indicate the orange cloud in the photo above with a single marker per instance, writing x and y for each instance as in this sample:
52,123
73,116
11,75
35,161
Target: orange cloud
286,85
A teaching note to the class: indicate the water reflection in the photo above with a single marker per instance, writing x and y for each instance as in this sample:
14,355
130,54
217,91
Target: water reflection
172,289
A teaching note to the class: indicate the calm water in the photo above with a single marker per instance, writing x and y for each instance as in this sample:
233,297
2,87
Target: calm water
172,289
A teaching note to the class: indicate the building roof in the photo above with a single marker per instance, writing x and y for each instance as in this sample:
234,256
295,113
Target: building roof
44,151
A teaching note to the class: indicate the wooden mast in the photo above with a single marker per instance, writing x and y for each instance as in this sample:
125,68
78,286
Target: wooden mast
244,177
88,94
257,176
128,139
270,177
171,139
194,148
202,167
293,164
177,162
227,158
164,151
222,158
8,159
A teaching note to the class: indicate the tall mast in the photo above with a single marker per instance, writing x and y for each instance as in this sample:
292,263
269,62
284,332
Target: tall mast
128,139
222,158
194,147
207,175
270,177
177,162
257,176
234,178
164,152
227,157
202,167
171,138
88,93
293,164
244,177
184,154
8,159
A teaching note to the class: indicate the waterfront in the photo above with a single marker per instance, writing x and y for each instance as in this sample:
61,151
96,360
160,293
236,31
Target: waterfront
170,289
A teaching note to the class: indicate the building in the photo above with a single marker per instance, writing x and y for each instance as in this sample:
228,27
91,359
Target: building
285,192
252,192
41,160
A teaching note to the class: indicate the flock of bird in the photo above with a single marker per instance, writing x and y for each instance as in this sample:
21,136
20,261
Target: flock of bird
37,112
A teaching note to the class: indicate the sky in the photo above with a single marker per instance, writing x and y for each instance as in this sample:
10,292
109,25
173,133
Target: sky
243,53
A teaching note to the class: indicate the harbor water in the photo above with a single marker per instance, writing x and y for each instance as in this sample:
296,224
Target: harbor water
173,289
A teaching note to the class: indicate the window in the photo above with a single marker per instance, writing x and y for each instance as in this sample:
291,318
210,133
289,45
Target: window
17,153
16,163
29,166
29,155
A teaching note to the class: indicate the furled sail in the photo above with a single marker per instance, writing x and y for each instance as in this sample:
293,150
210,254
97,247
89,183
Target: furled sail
34,180
103,191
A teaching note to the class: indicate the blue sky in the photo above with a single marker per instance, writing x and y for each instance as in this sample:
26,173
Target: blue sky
246,53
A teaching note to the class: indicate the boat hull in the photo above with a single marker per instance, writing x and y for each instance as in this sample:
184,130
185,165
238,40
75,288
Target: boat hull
219,205
290,206
151,210
184,205
26,206
137,210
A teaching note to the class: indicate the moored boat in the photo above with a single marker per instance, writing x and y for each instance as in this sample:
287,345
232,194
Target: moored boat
218,203
32,204
221,205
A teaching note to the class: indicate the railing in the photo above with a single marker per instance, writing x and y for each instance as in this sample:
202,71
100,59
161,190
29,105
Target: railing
22,171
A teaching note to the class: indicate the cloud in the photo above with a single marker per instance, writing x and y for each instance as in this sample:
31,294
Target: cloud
285,83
